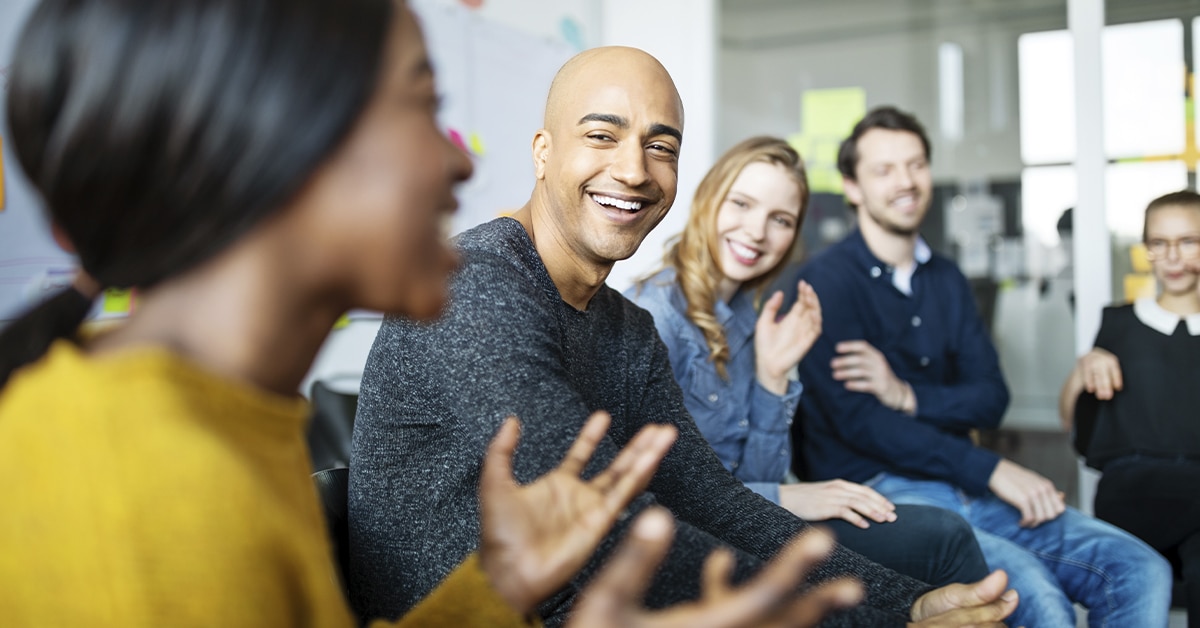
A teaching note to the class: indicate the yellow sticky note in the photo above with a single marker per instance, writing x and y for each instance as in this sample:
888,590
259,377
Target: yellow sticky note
1137,257
832,113
117,301
1138,286
820,160
826,117
476,144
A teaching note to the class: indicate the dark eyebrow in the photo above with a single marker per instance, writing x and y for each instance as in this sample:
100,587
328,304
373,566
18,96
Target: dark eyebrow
663,129
615,120
622,123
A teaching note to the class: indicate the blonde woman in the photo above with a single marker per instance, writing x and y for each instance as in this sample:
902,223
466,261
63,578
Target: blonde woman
732,360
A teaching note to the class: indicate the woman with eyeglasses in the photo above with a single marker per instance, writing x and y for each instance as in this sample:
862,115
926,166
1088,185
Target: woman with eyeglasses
1134,399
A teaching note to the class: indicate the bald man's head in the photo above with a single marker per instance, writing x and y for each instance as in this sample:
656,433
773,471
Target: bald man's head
594,67
607,158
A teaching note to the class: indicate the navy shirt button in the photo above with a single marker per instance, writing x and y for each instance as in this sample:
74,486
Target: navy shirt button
875,272
924,360
916,321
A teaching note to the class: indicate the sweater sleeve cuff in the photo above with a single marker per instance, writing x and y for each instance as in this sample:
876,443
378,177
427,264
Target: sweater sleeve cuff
465,598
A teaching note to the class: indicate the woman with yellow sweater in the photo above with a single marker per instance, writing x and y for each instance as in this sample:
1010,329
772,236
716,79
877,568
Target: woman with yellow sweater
256,168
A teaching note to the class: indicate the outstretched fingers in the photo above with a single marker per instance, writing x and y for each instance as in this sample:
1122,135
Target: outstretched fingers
770,307
629,474
623,581
497,465
769,593
585,444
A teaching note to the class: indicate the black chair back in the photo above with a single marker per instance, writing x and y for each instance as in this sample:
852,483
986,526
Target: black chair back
333,487
331,426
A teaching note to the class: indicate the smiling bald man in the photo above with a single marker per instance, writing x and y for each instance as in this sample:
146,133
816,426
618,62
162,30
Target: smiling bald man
532,331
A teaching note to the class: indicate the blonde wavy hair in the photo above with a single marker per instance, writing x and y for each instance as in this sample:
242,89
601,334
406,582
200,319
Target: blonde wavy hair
695,253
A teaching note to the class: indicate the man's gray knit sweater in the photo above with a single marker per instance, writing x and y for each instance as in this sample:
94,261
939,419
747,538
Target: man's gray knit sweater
433,395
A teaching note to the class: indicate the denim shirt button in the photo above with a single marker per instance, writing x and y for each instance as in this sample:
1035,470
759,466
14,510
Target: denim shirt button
743,423
713,397
733,465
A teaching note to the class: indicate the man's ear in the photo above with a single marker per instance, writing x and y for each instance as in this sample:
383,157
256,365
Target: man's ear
541,153
852,191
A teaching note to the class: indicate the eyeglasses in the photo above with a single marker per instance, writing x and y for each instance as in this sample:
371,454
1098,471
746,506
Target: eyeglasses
1187,247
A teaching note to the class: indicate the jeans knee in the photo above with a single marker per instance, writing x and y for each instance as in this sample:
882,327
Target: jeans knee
1154,572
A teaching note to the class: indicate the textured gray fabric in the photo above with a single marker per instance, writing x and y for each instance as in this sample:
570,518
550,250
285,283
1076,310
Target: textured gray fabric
433,395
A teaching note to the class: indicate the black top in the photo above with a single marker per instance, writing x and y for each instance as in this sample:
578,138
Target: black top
1157,413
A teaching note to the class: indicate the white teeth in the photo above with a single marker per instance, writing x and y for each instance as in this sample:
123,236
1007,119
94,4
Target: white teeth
631,206
744,251
904,200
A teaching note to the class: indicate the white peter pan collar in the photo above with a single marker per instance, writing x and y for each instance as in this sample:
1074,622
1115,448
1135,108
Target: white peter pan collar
1155,317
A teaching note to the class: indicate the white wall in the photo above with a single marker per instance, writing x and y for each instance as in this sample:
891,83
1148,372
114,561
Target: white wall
682,35
575,22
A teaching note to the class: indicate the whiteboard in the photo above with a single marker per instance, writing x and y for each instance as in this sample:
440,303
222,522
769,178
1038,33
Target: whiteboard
31,265
493,81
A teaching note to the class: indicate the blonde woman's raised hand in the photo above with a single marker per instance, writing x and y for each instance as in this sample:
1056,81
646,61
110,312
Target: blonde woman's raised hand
780,342
536,537
614,598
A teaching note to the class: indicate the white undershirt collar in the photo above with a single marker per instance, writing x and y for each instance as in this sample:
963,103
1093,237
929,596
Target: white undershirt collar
902,277
1155,317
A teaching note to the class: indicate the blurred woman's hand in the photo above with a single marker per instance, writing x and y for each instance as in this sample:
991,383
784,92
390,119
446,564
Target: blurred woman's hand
781,342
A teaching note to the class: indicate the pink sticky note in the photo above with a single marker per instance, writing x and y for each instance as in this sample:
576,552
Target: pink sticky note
457,138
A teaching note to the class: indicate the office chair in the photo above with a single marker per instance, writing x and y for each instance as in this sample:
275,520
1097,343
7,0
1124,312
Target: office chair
331,426
333,489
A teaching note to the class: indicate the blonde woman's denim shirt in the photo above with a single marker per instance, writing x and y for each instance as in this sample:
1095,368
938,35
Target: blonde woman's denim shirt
747,425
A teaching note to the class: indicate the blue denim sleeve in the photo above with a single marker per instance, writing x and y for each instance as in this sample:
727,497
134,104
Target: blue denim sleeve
769,490
767,453
745,424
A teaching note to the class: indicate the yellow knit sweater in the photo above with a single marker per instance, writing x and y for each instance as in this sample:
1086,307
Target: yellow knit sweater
140,490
